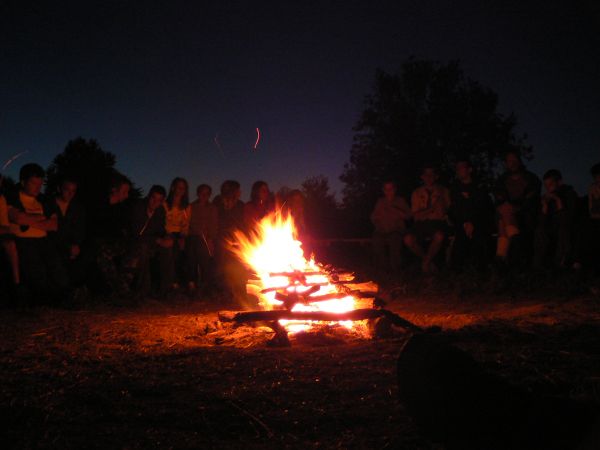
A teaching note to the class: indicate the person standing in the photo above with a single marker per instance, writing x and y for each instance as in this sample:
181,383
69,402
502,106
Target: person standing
177,224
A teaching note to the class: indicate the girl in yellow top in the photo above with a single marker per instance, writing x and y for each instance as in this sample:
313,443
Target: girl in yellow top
177,224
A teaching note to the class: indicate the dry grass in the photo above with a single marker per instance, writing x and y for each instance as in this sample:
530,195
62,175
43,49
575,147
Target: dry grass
154,376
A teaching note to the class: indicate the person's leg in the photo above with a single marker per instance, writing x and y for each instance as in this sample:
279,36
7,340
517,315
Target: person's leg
165,261
192,257
460,249
379,252
58,277
564,233
32,267
10,248
540,246
437,239
395,244
412,243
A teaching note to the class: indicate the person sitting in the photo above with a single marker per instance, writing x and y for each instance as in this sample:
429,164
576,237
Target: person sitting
150,240
108,229
429,204
178,220
517,195
231,218
389,219
258,206
553,235
31,218
203,230
71,229
471,213
8,245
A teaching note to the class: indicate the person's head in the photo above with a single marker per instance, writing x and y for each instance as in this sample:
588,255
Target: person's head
429,175
464,170
67,190
260,192
119,187
178,192
156,197
552,180
513,161
596,172
295,201
389,189
31,177
203,192
230,193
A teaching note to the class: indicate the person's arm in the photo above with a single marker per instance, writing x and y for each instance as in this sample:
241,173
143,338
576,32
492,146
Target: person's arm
377,213
404,209
19,217
418,213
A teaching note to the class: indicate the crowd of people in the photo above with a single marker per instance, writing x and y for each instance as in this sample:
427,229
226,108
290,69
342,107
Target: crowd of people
516,224
123,249
52,246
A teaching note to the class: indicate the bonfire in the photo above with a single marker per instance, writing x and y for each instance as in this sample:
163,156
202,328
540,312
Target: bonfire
284,279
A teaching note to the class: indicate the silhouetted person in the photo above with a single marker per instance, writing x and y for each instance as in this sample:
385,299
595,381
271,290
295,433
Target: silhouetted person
71,229
389,219
8,245
471,212
203,231
554,232
259,206
429,204
517,195
178,221
31,218
109,237
150,240
588,241
231,218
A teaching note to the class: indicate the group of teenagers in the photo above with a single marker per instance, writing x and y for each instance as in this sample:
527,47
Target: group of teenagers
51,246
128,249
515,224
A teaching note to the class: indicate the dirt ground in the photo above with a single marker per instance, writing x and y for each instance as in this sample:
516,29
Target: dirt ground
169,376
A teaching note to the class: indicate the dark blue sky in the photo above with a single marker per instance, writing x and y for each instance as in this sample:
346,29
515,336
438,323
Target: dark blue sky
155,84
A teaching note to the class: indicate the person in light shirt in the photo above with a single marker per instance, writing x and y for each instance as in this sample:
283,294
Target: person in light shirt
31,218
177,210
429,204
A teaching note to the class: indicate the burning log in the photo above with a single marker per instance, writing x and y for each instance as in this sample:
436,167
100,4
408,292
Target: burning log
240,317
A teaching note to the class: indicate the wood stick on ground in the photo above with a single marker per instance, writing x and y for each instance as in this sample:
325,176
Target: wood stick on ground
320,316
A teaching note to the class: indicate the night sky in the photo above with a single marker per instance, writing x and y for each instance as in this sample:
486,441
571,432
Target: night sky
156,84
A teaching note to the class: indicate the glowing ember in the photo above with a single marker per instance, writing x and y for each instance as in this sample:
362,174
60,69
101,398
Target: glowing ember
257,138
285,279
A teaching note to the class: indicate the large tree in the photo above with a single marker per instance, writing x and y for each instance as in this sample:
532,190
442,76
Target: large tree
426,113
91,166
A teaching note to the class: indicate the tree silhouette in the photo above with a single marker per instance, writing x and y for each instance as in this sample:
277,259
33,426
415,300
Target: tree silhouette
426,113
87,163
321,208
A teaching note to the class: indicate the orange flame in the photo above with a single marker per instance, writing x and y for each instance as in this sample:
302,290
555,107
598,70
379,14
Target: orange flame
272,248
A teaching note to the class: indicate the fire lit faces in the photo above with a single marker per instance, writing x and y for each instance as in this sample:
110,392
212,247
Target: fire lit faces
463,170
263,193
429,176
512,162
122,193
179,189
33,186
389,190
551,184
67,191
155,200
203,195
